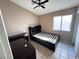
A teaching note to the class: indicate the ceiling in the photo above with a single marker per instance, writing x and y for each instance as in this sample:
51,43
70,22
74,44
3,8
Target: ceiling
51,6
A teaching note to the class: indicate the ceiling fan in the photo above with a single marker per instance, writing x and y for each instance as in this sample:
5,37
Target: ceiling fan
40,3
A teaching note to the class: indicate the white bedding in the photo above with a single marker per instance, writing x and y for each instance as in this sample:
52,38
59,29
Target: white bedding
47,37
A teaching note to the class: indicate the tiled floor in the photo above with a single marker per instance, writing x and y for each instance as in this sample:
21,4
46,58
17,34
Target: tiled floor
63,51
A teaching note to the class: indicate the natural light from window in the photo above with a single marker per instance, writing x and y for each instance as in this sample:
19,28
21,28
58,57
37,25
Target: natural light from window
57,23
62,23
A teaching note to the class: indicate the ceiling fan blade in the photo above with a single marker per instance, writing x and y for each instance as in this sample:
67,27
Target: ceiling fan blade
42,6
45,1
34,1
35,7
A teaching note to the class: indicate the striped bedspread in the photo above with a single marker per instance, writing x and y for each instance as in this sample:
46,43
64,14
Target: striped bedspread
47,37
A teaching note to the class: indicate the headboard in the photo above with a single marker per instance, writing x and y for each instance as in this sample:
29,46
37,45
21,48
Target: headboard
34,30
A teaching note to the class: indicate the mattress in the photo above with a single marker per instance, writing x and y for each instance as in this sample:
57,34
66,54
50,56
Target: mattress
47,37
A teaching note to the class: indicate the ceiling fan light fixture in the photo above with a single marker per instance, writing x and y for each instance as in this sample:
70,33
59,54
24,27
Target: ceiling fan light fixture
39,3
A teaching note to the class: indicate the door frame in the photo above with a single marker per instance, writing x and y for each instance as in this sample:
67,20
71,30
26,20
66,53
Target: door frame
8,55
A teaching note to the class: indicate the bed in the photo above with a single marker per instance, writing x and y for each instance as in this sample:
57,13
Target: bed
46,39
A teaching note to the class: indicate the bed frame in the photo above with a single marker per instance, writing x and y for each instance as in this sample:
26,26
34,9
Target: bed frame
37,29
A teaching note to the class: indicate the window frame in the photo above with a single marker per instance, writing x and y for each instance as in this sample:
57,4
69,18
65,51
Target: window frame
62,22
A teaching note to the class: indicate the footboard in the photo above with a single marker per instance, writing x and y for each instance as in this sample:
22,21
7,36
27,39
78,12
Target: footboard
51,46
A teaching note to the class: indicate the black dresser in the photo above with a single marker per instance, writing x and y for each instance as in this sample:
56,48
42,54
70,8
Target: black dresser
22,49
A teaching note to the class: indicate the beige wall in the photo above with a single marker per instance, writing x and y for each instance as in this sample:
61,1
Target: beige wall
17,18
46,21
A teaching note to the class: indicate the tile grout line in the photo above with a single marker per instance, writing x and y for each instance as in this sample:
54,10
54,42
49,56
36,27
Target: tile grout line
61,51
68,51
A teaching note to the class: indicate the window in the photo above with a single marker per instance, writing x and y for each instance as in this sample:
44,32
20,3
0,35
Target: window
62,23
57,23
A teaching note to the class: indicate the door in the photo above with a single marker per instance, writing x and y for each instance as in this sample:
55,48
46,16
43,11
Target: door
5,51
77,42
